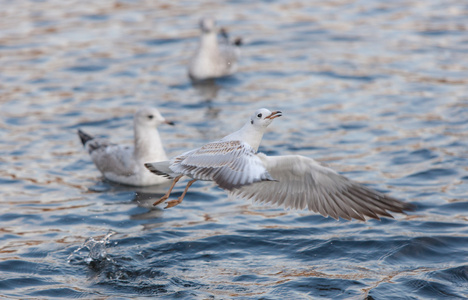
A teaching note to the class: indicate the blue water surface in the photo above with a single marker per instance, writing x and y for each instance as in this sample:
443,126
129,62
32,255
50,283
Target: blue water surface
376,89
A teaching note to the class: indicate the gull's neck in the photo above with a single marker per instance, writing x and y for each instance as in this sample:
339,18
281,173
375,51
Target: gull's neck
249,134
209,43
148,146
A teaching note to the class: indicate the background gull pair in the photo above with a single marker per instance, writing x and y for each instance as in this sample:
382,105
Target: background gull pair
293,181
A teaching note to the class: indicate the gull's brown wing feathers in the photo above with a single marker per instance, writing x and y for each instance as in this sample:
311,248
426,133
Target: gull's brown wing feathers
302,182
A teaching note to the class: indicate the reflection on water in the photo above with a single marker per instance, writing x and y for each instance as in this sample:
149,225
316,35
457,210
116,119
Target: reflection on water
207,89
376,89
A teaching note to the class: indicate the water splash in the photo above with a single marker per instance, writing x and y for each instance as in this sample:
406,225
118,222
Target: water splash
96,247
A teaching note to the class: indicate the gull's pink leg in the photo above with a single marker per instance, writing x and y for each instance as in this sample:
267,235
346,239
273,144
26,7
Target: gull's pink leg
168,192
175,202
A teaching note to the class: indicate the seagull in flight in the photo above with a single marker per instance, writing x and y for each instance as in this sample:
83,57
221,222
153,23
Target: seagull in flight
292,181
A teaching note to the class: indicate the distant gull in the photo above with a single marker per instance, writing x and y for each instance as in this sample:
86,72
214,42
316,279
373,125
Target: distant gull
124,164
293,181
213,59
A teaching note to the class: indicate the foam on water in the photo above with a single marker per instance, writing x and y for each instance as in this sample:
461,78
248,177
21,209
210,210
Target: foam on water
97,249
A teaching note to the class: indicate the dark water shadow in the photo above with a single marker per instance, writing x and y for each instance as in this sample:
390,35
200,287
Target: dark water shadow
143,196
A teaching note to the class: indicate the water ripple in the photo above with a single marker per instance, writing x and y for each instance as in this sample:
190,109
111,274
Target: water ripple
375,89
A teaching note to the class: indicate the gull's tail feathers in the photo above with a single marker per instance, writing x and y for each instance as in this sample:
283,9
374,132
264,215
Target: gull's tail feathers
160,168
84,137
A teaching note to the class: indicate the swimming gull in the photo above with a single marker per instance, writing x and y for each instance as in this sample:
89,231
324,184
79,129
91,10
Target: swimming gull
124,164
293,181
213,59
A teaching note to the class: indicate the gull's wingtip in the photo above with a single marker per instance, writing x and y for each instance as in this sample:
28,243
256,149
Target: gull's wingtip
408,207
238,42
84,137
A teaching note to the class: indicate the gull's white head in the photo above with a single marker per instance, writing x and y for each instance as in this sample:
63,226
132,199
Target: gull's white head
263,117
207,25
149,117
252,131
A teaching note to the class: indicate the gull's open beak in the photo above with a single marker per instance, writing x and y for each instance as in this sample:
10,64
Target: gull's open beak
274,114
169,122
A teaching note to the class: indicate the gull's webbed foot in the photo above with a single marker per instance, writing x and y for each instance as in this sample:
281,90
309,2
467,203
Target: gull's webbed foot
173,203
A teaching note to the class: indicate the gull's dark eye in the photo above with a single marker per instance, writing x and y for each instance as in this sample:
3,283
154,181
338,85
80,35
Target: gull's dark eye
150,117
259,115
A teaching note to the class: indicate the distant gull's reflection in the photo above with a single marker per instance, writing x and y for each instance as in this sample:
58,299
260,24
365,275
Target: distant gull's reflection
207,89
